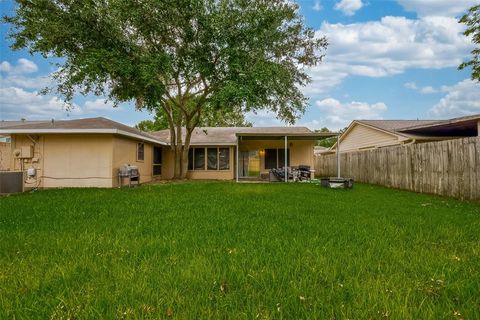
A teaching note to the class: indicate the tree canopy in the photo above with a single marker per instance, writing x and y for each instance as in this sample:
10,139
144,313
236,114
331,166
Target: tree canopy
330,141
472,20
177,56
210,118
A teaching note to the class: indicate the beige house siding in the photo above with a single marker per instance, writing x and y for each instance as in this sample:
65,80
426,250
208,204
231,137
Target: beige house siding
5,153
363,137
66,160
125,152
77,161
168,163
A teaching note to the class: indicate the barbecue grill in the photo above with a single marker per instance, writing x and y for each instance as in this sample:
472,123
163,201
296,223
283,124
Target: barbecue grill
130,173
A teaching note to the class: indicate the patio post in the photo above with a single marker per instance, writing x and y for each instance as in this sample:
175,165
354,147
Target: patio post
286,160
338,155
237,164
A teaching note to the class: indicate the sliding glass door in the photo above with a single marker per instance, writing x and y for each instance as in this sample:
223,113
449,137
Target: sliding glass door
249,163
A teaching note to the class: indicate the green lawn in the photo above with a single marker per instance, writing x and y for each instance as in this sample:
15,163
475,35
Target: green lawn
242,251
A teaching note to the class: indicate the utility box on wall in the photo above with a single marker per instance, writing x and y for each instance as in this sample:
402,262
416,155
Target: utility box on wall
27,152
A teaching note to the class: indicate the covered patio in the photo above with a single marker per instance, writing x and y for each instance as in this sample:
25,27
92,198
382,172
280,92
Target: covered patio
260,154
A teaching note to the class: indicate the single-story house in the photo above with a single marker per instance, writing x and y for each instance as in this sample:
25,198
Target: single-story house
90,152
371,134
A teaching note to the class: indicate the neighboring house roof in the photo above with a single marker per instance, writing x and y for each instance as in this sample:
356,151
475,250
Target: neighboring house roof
407,130
228,135
87,125
394,126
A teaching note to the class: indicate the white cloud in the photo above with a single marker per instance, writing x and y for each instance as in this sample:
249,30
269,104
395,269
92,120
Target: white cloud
17,103
337,115
99,105
461,99
20,75
5,66
25,66
349,7
387,47
411,85
428,90
317,6
437,7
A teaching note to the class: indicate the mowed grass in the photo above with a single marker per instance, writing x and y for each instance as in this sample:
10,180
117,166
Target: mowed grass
238,251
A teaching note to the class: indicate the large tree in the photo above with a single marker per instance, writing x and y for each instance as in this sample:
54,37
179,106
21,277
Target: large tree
175,55
211,117
472,20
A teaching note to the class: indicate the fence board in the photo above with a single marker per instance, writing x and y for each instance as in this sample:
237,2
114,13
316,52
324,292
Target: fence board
450,168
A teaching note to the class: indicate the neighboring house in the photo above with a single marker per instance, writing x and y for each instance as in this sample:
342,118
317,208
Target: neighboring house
372,134
89,152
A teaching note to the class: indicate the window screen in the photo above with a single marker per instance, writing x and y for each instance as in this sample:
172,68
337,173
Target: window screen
157,161
281,157
140,151
212,158
224,158
199,155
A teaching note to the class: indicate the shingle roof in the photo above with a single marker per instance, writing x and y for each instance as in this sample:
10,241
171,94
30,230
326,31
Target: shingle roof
396,125
87,125
8,123
228,135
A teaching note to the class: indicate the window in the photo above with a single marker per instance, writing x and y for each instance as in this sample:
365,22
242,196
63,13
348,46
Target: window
140,151
223,158
199,159
270,158
212,158
275,158
190,159
209,159
157,161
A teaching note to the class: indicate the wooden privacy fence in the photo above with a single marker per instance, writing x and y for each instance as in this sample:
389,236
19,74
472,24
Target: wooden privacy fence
449,168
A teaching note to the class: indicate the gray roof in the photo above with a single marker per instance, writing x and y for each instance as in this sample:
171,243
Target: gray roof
87,125
428,129
396,125
8,123
200,136
228,135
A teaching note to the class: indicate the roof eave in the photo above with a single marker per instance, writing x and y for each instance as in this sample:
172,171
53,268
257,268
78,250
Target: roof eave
81,131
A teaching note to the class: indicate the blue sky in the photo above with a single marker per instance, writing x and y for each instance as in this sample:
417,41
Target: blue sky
387,59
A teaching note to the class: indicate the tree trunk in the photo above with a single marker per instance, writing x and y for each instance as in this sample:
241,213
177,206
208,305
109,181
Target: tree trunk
177,172
180,149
